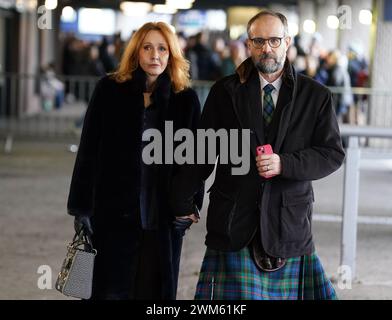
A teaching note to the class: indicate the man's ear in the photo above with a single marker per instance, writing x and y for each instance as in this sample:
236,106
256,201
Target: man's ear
288,41
248,43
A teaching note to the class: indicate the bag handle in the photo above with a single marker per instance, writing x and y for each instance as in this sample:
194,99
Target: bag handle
84,239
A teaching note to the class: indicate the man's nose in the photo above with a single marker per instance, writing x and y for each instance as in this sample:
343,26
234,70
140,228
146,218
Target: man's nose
266,47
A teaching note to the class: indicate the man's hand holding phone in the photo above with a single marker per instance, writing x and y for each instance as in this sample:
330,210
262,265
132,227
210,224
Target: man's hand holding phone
267,162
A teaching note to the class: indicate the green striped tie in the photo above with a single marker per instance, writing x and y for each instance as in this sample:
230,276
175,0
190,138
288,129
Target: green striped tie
268,104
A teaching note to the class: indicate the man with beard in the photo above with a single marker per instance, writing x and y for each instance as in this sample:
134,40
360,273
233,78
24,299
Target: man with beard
259,235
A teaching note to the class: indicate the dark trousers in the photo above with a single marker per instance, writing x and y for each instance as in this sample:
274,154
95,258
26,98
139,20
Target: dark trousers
140,264
148,285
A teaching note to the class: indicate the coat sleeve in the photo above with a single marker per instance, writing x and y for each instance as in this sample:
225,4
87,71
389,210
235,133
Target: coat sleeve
187,191
80,198
324,156
199,196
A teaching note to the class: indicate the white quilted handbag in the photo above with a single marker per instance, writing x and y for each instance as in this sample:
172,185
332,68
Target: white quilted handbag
76,276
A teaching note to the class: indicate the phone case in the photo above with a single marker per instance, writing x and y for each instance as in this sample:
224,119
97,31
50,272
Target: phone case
265,149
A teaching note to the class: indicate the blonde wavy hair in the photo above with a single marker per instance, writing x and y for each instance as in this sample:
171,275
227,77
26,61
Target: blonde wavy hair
177,67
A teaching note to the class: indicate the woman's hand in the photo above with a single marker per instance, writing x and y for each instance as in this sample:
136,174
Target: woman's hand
181,224
195,218
83,223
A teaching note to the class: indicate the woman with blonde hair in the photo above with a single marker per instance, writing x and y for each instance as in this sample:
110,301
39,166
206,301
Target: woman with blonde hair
117,198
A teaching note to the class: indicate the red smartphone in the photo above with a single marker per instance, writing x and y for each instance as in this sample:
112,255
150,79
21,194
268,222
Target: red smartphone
265,149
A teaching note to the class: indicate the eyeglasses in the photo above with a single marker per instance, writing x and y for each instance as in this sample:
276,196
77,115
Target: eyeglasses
273,42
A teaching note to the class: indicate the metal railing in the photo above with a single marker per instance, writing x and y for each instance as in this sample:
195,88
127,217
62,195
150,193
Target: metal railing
38,106
354,154
31,106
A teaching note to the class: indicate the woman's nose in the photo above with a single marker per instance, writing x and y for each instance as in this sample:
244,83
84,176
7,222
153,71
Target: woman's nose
154,54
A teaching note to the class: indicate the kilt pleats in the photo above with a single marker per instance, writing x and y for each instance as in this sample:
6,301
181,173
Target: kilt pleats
234,276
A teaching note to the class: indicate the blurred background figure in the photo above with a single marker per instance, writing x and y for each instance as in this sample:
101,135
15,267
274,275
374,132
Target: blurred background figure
292,54
237,54
191,55
358,69
314,70
107,55
95,66
182,41
219,52
207,68
51,88
338,76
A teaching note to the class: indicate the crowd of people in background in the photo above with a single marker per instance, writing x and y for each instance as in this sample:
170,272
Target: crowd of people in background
336,70
213,56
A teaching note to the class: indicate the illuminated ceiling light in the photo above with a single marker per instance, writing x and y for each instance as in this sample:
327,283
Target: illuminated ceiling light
162,8
180,4
135,8
236,31
22,5
96,21
365,17
51,4
333,22
309,26
19,5
293,29
32,4
68,14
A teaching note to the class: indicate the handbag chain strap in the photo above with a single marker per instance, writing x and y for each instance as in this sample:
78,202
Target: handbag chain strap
82,239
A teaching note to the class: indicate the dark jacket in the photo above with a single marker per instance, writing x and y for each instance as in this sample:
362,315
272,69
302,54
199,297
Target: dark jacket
305,134
106,179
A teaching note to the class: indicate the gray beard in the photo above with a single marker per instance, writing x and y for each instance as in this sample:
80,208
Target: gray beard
269,68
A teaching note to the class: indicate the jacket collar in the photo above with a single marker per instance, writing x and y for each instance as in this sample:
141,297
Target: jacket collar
162,87
250,82
133,89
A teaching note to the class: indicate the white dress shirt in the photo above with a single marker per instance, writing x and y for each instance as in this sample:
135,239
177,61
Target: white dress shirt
275,93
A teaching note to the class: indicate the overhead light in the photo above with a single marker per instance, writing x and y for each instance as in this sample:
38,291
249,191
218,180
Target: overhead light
180,4
309,26
51,4
96,21
68,14
135,8
236,31
365,17
22,5
333,22
163,8
293,29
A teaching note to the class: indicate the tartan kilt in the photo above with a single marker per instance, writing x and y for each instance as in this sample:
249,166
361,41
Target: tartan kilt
234,276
